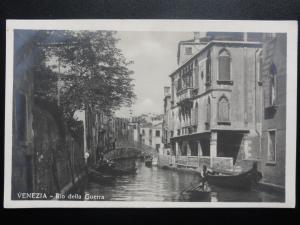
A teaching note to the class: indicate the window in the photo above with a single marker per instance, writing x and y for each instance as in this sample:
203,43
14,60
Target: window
196,114
143,132
208,69
196,70
188,50
179,84
273,72
157,133
21,117
271,146
224,65
223,109
208,111
150,132
157,147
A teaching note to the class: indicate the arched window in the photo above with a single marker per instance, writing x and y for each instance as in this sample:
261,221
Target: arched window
224,65
208,111
223,109
196,113
273,72
208,69
196,71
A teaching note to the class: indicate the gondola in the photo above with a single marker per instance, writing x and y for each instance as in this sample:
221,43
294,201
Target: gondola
245,180
99,177
198,193
111,169
148,162
127,171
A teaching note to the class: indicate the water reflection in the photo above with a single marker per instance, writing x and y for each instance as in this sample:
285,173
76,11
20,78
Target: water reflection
156,184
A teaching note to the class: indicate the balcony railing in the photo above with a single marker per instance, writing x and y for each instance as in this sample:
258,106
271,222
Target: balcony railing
185,94
217,163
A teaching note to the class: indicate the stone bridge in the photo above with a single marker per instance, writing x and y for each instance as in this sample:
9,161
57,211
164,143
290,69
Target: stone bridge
132,149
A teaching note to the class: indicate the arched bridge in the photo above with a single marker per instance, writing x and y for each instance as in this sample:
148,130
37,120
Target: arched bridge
126,149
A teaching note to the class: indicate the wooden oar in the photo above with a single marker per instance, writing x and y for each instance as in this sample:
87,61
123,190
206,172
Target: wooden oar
191,187
186,188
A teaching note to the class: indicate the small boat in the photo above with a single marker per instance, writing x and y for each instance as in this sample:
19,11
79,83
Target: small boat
148,162
97,176
126,171
245,180
199,193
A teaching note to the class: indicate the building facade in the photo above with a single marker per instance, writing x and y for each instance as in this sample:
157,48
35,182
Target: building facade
226,106
273,77
211,114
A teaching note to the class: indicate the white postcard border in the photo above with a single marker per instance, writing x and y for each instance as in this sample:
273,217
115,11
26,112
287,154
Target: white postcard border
289,27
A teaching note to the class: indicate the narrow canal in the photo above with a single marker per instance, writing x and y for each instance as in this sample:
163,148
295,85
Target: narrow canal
157,184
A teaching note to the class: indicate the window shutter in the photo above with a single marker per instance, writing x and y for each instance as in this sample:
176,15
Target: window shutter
267,93
223,110
224,68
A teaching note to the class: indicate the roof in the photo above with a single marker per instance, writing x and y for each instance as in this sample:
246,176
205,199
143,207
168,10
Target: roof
209,44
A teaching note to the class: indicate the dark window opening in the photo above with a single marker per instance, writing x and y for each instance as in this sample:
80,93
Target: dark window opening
208,111
271,146
157,133
224,66
157,147
208,69
223,110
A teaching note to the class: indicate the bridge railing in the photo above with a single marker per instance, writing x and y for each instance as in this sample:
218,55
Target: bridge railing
145,149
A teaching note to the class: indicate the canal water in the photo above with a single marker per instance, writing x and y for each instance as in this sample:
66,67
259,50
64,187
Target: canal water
157,184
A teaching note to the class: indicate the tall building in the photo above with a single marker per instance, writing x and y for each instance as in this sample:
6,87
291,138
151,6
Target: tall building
213,116
273,77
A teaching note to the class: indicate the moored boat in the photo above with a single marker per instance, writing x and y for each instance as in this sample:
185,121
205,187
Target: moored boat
148,162
112,169
245,180
126,171
97,176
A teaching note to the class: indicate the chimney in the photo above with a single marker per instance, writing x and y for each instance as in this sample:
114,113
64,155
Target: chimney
245,36
198,36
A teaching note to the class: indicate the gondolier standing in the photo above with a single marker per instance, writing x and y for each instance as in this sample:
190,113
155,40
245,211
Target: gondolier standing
204,174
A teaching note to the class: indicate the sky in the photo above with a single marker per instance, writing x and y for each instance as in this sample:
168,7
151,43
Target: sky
155,58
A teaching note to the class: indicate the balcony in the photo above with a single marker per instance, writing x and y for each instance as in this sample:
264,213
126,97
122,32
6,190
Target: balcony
185,94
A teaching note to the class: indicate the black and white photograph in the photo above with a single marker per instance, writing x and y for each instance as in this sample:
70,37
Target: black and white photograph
134,113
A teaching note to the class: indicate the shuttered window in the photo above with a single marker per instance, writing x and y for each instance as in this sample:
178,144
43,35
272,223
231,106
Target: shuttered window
224,66
208,69
271,146
208,111
196,114
223,110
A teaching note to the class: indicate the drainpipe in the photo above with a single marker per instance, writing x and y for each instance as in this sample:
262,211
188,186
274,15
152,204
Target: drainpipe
258,132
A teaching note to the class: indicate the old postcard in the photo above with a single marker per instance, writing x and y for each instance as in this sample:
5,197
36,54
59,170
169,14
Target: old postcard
150,113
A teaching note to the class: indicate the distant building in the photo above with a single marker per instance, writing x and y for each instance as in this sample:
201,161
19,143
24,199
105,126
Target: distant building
147,130
151,135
